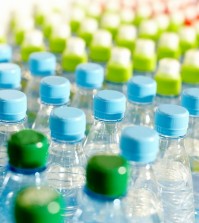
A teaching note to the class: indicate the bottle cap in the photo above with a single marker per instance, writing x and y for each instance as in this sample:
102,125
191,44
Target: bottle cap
28,149
169,40
127,16
54,90
141,89
13,105
102,38
190,100
107,175
110,20
42,64
10,76
88,25
109,105
120,55
148,29
171,120
75,45
89,75
5,53
145,47
41,205
192,58
127,32
33,38
139,144
68,124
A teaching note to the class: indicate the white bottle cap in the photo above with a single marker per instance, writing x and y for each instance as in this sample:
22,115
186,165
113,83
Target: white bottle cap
145,47
53,19
192,58
169,40
177,17
110,20
169,67
128,32
76,45
25,24
162,21
34,38
143,11
112,5
148,27
89,25
77,14
94,9
120,55
196,26
61,31
188,34
102,38
127,15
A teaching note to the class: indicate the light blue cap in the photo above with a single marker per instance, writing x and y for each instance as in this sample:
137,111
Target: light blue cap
67,123
5,53
13,105
190,100
171,120
139,144
89,75
141,89
42,64
109,105
10,76
54,90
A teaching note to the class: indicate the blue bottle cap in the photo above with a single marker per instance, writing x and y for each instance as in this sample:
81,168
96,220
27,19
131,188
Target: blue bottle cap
190,100
54,90
171,120
89,75
109,105
67,123
42,64
5,53
141,89
139,144
13,105
10,76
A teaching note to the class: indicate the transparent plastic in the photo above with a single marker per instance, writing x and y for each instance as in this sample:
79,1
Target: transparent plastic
160,99
121,87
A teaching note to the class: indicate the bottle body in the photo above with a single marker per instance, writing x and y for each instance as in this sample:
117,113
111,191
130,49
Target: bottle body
173,174
121,87
160,99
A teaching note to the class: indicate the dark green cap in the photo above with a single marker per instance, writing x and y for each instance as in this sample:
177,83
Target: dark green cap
28,149
38,205
107,175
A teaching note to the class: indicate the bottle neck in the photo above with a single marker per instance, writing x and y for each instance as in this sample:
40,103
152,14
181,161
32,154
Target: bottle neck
25,171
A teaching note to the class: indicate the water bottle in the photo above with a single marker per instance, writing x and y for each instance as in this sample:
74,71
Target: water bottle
168,81
108,110
172,169
28,153
141,93
118,69
66,172
106,185
38,204
41,64
89,78
5,53
10,76
190,100
13,106
140,146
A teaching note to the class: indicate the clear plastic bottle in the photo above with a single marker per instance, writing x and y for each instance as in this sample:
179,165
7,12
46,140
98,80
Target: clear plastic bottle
100,200
28,153
66,172
13,107
172,169
140,146
10,76
54,92
190,100
41,64
108,110
89,78
40,204
141,93
5,53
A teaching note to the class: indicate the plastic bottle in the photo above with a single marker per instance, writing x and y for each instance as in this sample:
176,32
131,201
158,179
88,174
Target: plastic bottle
38,205
54,92
5,53
10,76
172,169
108,110
89,79
118,69
66,172
28,153
13,107
106,185
168,81
41,64
140,146
190,100
141,93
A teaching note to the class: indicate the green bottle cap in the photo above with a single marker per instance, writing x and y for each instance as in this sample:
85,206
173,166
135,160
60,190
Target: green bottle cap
168,77
38,205
107,175
28,149
119,67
